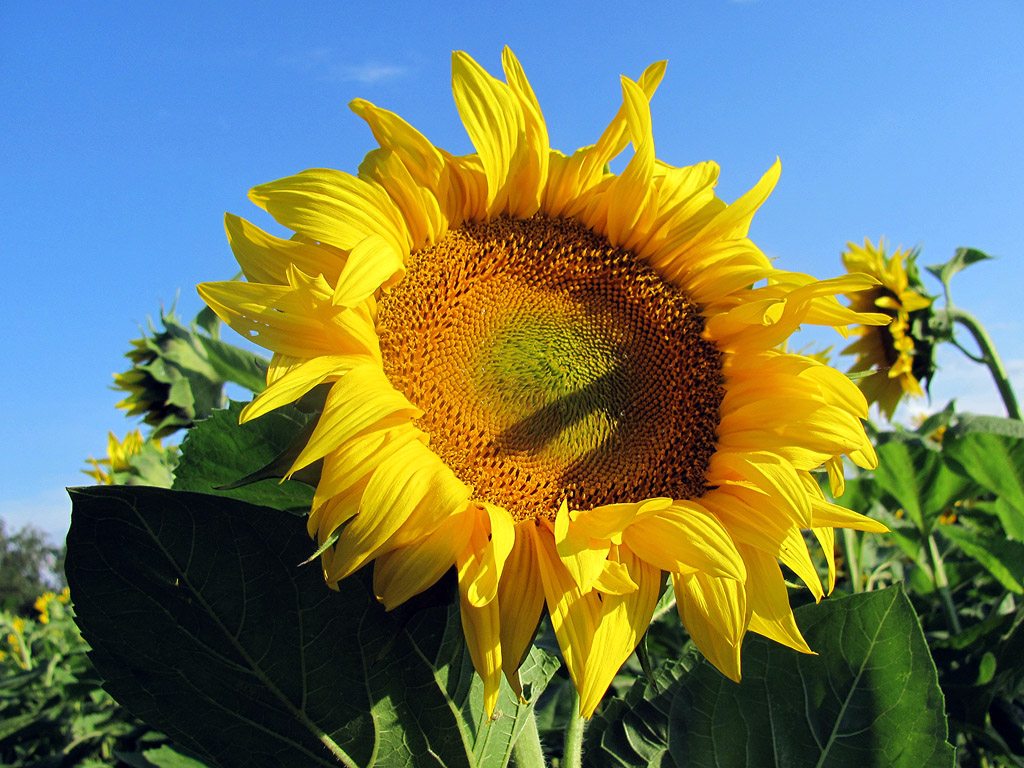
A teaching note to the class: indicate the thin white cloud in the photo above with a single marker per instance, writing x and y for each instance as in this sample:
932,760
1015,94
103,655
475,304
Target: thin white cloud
326,65
371,73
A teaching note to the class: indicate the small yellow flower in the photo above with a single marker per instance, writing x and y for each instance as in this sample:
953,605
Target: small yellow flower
42,605
891,352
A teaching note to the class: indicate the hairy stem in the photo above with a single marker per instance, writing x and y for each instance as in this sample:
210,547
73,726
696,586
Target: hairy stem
527,752
572,757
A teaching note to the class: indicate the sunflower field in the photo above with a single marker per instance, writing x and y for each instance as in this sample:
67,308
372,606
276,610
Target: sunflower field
530,474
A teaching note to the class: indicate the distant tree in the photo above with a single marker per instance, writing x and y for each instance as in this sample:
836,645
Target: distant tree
29,565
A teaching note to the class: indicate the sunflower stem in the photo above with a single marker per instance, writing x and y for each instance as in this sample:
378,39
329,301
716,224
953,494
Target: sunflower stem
527,751
572,755
852,560
989,357
942,585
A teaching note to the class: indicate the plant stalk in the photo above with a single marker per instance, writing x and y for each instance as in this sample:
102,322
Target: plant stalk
942,585
572,756
852,561
527,751
990,358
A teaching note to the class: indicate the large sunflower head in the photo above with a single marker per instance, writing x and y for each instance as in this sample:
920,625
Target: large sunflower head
896,355
561,381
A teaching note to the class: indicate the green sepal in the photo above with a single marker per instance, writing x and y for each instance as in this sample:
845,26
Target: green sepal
963,258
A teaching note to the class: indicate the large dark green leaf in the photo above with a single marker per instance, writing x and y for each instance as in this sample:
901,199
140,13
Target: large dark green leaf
870,698
995,462
202,624
219,451
919,480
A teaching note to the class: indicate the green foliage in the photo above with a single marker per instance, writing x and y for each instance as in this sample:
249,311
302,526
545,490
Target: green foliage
178,374
204,621
959,483
249,660
962,259
869,698
29,566
53,711
244,461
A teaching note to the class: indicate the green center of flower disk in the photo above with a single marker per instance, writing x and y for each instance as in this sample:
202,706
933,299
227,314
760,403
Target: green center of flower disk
553,366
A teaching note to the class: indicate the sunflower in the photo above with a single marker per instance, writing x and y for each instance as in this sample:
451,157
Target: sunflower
895,356
560,381
134,461
119,455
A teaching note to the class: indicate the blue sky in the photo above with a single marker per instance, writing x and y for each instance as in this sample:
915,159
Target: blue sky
128,129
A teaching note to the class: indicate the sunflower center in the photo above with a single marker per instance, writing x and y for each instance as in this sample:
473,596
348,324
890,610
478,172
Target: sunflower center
551,365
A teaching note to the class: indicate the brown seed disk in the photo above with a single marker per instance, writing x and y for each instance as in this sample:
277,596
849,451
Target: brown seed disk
551,365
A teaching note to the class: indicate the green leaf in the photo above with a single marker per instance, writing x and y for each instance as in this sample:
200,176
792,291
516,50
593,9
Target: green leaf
995,462
633,731
962,259
236,365
166,757
1001,557
967,423
219,451
919,480
870,698
201,623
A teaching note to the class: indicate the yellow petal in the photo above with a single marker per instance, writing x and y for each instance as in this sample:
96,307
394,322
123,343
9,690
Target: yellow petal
481,624
361,399
347,470
372,264
714,612
265,258
494,121
734,221
771,614
281,319
420,208
824,513
608,521
534,151
622,622
296,383
480,563
521,597
629,195
406,498
574,616
771,474
827,538
582,555
333,207
685,536
407,571
423,161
